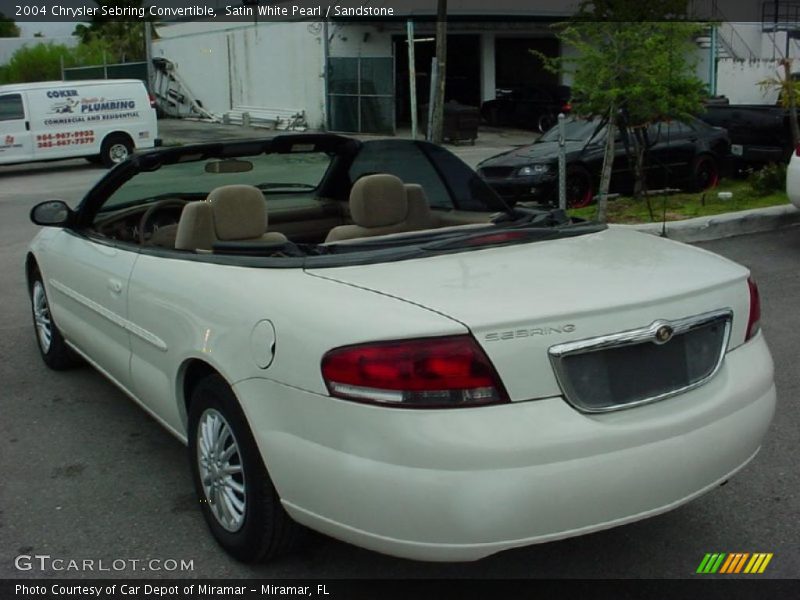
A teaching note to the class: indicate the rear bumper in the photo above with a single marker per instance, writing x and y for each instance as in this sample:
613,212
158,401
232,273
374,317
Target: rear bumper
464,484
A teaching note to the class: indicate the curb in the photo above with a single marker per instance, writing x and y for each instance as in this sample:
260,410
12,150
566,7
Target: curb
702,229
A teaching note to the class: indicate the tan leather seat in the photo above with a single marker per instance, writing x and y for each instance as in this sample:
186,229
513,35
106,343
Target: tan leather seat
419,210
231,213
378,206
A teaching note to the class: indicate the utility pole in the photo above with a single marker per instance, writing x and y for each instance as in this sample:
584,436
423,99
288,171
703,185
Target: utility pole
412,77
441,60
148,54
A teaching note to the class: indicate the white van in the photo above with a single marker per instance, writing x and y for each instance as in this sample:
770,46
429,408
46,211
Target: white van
103,120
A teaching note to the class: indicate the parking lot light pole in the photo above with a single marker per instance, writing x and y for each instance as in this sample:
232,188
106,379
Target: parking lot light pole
562,164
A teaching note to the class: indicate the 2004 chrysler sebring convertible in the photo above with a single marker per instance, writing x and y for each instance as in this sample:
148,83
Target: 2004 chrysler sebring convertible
361,338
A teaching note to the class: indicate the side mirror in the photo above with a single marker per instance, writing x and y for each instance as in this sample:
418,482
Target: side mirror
53,213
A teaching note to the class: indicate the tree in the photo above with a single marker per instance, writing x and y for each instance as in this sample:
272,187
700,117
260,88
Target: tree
8,28
631,69
788,91
125,40
42,62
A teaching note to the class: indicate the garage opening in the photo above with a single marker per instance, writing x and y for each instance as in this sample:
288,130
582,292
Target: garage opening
463,71
516,67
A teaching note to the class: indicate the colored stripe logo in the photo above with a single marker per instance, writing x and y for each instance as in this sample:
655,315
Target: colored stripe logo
734,563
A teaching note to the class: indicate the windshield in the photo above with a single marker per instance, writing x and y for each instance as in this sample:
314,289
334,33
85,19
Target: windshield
309,198
575,130
278,173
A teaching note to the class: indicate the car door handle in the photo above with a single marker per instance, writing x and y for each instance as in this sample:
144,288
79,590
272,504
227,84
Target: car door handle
115,285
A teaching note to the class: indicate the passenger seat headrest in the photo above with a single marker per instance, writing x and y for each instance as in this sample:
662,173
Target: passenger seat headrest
239,212
378,201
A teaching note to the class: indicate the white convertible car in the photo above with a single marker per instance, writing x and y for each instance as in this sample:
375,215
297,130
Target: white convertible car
361,338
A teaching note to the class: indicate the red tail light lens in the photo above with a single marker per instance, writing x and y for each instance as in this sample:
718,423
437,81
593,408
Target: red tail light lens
152,100
754,320
797,150
432,372
566,108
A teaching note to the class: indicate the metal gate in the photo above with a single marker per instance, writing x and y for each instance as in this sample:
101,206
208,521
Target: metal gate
133,70
361,95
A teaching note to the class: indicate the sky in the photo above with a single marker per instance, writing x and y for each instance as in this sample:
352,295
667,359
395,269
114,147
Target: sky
48,29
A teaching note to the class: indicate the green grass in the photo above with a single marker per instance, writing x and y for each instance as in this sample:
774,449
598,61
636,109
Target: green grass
685,205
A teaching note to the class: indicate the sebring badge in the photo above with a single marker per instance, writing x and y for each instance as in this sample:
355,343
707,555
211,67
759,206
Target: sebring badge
663,334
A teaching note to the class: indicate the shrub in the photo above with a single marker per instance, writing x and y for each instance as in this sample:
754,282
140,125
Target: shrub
769,179
42,62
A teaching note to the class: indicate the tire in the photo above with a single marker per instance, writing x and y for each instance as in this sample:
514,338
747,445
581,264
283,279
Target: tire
490,116
115,149
545,122
705,173
54,350
251,525
580,191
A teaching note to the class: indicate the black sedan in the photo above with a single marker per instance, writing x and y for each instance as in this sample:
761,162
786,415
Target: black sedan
527,107
688,155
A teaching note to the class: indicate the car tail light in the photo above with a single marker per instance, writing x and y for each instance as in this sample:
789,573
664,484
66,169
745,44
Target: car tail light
754,320
431,372
152,100
797,150
567,107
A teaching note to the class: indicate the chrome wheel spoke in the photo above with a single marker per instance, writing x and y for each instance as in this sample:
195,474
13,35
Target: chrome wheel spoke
228,452
41,317
219,461
236,504
232,469
234,485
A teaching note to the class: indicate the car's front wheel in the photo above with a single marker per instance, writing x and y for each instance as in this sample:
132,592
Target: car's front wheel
579,190
237,497
54,350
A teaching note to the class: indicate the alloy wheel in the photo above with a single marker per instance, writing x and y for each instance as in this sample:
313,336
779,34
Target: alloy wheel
220,465
41,317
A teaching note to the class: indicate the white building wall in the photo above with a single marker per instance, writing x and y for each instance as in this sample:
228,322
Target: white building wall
357,39
567,52
269,65
738,80
279,65
488,67
201,61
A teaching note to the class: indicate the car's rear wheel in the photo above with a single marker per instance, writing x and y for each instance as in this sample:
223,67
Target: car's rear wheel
705,173
54,350
580,191
237,497
116,148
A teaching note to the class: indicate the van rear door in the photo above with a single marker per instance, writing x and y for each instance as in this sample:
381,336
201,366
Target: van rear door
16,141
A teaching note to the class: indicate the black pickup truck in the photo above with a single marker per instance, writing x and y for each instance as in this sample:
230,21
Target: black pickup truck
759,134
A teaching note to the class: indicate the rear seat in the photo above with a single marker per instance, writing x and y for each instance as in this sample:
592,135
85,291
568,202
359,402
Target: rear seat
381,204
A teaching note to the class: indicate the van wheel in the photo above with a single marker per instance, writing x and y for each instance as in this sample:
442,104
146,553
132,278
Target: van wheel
237,497
115,149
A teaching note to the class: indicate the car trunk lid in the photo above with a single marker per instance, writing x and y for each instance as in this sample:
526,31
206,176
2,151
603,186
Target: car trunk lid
521,300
